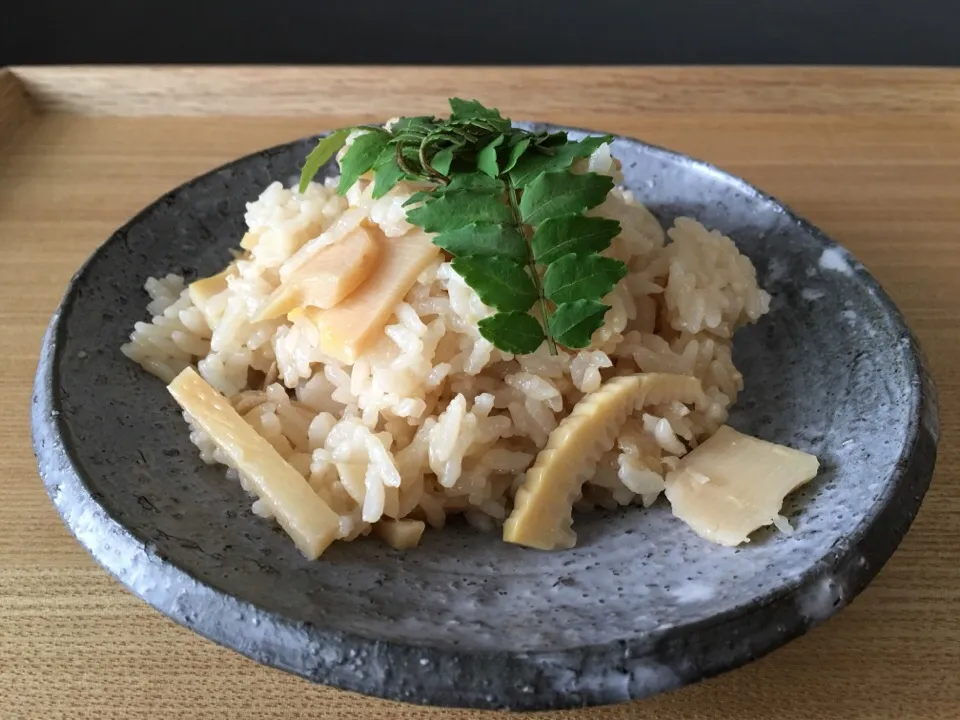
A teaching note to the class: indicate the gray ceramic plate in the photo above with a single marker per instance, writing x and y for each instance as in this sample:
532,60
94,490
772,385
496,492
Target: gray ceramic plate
641,605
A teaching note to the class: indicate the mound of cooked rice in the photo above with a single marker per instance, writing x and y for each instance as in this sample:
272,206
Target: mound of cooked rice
434,403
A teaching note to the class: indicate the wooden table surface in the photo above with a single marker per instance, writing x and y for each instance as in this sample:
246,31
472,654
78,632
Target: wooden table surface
872,156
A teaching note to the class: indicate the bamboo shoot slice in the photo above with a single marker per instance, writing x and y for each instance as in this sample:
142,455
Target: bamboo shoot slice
349,328
299,510
400,534
204,290
734,484
345,224
541,516
327,277
250,239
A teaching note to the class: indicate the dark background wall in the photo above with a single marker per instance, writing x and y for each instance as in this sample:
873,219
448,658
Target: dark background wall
880,32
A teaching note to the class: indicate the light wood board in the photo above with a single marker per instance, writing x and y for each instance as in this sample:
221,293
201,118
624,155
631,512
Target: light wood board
872,156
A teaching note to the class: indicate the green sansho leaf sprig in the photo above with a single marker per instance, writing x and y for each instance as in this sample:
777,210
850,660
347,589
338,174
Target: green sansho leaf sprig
504,203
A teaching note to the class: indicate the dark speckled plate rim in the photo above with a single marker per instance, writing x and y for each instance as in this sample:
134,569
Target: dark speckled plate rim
589,675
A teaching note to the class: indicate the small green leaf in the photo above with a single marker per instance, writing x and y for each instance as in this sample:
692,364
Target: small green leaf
326,148
514,332
360,157
419,196
516,135
386,172
588,277
559,157
371,128
516,151
587,146
457,208
459,181
416,123
499,282
552,139
472,110
411,153
577,234
554,194
487,157
442,160
484,240
531,165
474,181
573,324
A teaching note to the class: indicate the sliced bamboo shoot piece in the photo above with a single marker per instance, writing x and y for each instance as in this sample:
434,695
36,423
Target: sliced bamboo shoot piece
400,534
327,277
541,516
299,510
344,224
349,328
250,239
733,484
204,290
400,502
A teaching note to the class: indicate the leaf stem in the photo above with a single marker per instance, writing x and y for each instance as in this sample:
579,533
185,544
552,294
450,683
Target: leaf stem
531,263
425,163
402,163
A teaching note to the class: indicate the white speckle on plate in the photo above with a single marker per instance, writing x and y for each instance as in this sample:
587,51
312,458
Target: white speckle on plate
776,270
850,315
821,599
836,259
811,294
692,592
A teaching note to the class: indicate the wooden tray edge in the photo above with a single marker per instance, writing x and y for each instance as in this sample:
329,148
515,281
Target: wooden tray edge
376,92
16,108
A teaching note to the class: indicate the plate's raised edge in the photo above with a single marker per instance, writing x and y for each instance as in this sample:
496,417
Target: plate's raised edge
590,675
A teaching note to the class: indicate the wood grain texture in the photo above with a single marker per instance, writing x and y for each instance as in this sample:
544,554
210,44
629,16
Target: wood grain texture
15,108
882,180
379,92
